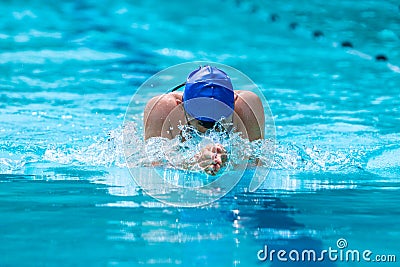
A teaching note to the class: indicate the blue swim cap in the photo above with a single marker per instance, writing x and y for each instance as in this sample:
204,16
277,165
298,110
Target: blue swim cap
208,94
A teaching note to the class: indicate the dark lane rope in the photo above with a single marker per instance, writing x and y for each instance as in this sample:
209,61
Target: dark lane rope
318,34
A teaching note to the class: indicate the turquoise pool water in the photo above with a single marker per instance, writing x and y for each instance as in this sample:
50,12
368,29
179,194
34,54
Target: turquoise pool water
68,71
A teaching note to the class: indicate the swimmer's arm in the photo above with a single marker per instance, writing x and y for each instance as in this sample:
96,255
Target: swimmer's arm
155,113
152,119
250,110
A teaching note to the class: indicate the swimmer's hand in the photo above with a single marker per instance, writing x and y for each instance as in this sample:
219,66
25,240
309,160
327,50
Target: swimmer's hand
212,158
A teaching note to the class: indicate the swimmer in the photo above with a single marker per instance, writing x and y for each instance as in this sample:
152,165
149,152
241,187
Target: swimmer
208,97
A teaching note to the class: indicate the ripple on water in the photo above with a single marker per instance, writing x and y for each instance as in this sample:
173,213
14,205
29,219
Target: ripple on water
386,164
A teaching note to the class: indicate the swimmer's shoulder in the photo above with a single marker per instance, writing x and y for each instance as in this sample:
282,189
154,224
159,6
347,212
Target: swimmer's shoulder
177,96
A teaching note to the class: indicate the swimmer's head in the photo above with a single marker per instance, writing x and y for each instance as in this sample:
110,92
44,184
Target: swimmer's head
208,96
